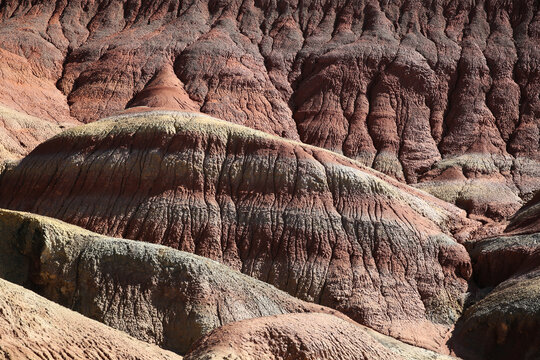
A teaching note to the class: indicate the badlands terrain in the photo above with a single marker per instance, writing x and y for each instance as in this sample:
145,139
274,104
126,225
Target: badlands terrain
270,179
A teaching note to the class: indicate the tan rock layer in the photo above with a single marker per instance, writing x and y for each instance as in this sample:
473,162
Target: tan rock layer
313,223
21,133
32,327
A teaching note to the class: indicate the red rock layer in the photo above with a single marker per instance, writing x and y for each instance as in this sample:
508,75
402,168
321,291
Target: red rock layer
399,85
32,327
299,336
313,223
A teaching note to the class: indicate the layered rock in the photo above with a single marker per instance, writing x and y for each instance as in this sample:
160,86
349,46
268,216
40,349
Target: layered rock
32,327
504,318
481,184
21,133
527,219
499,258
313,223
406,87
154,293
302,336
505,323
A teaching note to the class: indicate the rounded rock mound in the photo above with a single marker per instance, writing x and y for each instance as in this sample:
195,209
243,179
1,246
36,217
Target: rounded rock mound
527,219
154,293
32,327
309,221
303,336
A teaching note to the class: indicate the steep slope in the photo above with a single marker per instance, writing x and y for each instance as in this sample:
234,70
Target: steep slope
154,293
32,327
313,223
321,336
408,87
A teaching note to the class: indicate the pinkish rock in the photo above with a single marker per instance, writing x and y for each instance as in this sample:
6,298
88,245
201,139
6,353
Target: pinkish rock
313,223
404,87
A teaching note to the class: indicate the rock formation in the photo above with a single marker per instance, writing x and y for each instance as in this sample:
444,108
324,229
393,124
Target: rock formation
413,89
315,224
504,319
21,133
164,90
303,336
527,219
32,327
372,160
154,293
504,323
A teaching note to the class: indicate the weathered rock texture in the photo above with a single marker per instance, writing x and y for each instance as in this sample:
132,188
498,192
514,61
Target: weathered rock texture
505,323
303,336
21,133
32,327
315,224
527,219
154,293
504,319
409,87
497,259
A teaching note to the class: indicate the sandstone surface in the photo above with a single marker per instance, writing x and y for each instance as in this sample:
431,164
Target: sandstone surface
154,293
303,336
315,224
32,327
21,133
411,88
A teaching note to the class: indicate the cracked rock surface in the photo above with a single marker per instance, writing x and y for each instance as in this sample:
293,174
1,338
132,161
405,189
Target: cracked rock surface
313,223
409,87
154,293
32,327
505,320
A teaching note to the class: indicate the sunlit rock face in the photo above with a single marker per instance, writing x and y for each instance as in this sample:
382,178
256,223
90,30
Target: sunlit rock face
409,88
311,222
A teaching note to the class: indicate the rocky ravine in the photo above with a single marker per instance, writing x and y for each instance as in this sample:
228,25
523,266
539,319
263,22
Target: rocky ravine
504,322
315,224
158,295
440,93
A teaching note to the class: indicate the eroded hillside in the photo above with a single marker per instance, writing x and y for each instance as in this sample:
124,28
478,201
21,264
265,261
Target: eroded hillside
441,92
